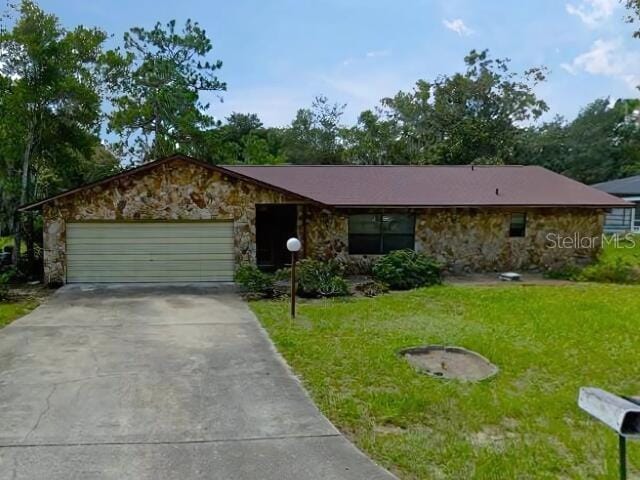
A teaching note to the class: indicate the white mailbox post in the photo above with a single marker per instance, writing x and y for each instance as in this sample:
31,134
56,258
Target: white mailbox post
619,413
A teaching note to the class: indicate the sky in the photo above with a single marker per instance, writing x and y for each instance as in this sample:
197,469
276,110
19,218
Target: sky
278,54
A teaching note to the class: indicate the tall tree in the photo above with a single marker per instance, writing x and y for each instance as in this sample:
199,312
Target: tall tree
546,145
604,141
242,139
314,134
601,143
634,13
373,141
156,82
49,102
470,117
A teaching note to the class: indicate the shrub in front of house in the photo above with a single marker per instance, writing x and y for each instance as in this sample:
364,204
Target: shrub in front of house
5,278
570,271
282,274
359,266
254,281
320,279
618,270
406,269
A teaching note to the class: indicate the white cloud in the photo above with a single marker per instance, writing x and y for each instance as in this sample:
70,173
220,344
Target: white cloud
458,26
379,53
592,12
370,54
608,58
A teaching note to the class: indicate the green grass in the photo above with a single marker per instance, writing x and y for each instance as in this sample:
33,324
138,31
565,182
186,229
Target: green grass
11,310
618,262
626,250
9,240
524,423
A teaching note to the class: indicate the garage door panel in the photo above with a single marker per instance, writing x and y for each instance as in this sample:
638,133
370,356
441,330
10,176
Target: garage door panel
158,249
195,265
222,277
150,252
155,240
98,230
173,235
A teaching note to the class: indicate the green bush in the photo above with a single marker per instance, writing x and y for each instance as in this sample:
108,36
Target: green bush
406,269
5,278
321,279
255,281
617,270
282,274
569,271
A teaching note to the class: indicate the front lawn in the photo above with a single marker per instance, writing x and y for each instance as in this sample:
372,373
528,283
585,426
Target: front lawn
547,341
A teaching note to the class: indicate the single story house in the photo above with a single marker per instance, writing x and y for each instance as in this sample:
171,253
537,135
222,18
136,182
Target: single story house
178,219
621,219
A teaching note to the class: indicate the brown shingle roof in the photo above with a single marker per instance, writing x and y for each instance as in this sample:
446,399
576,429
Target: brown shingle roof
432,186
394,186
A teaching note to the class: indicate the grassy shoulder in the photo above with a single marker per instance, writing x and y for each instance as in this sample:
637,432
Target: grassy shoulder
13,309
547,341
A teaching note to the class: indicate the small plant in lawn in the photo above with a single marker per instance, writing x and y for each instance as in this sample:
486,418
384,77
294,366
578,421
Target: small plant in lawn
255,281
321,279
406,269
371,288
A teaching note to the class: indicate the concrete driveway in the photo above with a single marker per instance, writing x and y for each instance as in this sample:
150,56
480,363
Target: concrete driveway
140,382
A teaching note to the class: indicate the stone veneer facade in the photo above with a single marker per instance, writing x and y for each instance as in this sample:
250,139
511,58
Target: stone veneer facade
474,239
463,239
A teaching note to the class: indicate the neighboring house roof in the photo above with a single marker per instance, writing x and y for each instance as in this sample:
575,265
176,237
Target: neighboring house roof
406,186
629,186
430,186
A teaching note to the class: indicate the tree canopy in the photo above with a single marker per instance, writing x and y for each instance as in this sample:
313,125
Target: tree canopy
155,82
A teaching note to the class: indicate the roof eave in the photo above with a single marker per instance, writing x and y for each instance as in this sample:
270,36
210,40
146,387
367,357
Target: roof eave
155,163
488,205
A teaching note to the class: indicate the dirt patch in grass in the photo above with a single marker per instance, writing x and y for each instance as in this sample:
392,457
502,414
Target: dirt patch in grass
450,363
388,429
488,279
26,291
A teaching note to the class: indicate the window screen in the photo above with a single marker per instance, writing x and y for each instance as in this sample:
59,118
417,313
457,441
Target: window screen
518,224
379,233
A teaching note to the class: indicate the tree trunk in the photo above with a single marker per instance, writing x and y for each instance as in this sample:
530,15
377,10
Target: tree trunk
24,194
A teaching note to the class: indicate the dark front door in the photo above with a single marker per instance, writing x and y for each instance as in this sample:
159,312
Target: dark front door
275,224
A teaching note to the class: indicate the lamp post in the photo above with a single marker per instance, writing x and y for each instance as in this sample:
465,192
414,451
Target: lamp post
293,245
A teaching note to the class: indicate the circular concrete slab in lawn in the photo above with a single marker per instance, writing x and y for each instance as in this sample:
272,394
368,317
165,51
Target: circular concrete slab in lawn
450,362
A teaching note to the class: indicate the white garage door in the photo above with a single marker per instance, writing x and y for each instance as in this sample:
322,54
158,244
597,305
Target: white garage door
150,252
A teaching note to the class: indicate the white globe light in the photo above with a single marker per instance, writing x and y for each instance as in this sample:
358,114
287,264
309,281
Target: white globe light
293,244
